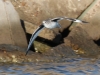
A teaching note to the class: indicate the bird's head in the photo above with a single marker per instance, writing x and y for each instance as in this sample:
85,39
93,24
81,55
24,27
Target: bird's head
44,22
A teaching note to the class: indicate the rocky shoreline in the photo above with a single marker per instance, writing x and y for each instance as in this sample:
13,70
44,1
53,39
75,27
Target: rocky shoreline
71,41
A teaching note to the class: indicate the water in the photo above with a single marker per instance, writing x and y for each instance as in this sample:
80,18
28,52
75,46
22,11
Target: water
75,66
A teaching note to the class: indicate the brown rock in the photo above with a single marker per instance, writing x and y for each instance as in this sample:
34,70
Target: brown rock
81,42
35,11
91,16
11,31
61,51
15,54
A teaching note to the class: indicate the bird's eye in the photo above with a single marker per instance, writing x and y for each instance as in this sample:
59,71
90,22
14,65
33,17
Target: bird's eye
44,21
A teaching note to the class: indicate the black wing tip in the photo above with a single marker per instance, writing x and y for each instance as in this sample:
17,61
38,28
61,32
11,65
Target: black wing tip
84,22
41,25
26,52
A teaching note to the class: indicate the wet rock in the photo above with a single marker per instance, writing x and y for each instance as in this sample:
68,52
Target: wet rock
15,54
81,42
61,51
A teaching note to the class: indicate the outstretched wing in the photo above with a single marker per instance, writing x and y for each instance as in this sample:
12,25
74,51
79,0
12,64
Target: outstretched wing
70,19
33,37
75,20
57,19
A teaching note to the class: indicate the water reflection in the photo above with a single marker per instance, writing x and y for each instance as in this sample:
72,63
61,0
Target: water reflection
79,66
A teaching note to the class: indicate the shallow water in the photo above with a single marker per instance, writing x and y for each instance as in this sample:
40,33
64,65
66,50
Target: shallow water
75,66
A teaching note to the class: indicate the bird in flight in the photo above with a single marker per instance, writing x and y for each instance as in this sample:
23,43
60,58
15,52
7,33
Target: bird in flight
49,23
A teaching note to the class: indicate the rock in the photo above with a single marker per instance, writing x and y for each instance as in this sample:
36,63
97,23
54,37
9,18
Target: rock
61,51
15,54
35,11
81,42
91,16
11,31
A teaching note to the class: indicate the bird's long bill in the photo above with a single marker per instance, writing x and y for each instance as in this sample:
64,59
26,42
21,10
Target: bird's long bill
33,37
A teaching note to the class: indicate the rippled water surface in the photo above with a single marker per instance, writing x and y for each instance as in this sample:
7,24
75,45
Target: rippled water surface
76,66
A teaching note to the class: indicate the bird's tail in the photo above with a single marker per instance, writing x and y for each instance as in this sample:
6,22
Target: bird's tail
33,37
